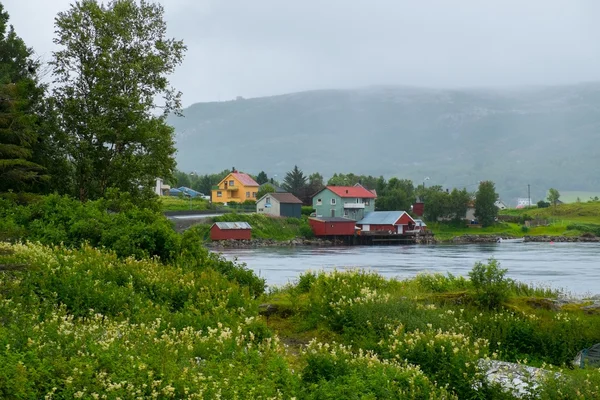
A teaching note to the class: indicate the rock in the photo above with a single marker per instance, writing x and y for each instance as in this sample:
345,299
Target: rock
518,379
592,308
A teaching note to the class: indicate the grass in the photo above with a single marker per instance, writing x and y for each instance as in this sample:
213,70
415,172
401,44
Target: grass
564,220
83,323
263,226
172,203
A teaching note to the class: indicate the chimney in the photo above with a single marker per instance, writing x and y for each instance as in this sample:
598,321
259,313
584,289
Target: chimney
233,169
346,191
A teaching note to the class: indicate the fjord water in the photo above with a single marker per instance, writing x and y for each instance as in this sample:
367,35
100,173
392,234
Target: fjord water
571,267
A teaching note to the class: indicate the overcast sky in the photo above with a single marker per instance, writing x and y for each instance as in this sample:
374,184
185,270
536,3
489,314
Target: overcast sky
255,48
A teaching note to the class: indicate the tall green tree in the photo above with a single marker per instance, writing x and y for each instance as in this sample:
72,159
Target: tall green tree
315,184
21,96
485,199
295,182
111,74
396,195
458,204
262,178
264,190
553,196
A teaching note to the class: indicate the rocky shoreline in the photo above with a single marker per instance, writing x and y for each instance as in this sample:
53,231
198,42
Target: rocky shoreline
542,239
253,243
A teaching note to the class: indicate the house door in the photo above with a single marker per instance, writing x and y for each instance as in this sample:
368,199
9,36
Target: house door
333,213
400,228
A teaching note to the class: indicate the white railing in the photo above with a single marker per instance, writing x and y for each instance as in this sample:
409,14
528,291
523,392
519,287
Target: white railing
354,205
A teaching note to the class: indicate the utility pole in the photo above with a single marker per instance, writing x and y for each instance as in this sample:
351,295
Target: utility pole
529,194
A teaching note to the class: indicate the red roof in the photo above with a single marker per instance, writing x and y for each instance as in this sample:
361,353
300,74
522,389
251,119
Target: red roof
244,179
352,191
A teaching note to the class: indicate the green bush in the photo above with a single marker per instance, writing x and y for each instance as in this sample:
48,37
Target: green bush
491,286
524,229
307,210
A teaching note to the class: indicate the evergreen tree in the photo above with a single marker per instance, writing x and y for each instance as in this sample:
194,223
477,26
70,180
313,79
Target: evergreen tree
262,178
295,182
20,99
485,199
111,69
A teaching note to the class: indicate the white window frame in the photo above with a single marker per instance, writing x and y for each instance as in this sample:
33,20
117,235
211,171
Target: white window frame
268,200
219,194
247,195
319,202
333,202
231,182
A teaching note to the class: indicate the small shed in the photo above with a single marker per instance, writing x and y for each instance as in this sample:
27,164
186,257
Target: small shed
280,205
420,225
230,231
387,221
332,226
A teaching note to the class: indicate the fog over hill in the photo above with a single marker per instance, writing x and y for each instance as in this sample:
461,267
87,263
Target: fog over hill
543,136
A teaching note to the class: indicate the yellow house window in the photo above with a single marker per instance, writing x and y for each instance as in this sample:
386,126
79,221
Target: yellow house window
219,194
232,183
254,194
247,195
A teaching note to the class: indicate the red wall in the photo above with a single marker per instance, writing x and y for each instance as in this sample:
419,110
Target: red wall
336,228
418,209
237,234
386,228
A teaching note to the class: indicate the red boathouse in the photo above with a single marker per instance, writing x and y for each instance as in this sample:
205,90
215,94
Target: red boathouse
332,226
230,231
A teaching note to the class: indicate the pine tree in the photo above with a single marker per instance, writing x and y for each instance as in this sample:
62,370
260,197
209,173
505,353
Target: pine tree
20,98
295,182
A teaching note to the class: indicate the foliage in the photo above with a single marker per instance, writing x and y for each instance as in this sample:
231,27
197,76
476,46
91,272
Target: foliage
307,210
440,204
110,69
543,204
295,182
491,286
264,190
262,178
315,184
114,223
20,102
553,196
485,199
339,179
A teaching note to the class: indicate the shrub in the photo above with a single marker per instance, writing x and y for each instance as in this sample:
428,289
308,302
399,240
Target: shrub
307,210
524,229
491,286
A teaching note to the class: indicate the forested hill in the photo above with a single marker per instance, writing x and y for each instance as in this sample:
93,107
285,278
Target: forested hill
544,136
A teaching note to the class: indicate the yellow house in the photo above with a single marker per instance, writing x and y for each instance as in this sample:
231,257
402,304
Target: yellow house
237,187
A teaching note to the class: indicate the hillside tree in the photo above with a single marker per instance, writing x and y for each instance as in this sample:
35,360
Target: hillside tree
485,199
111,77
21,96
295,182
553,196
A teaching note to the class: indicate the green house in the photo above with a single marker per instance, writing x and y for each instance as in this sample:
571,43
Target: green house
344,201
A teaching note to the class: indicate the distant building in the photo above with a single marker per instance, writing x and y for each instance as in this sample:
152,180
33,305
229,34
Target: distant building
500,205
420,225
160,188
344,201
230,231
280,205
237,187
523,202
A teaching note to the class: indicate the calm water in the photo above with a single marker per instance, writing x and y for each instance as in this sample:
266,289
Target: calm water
572,267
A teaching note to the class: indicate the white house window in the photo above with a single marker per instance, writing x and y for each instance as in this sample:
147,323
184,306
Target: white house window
247,195
333,202
219,194
268,200
232,183
345,213
319,202
366,202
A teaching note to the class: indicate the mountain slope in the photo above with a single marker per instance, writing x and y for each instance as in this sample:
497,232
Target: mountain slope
544,136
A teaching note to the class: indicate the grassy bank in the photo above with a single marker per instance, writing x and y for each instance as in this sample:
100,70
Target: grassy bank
263,226
563,220
172,203
84,323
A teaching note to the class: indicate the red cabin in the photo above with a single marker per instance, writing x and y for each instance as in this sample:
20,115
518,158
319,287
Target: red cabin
230,231
332,226
387,221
